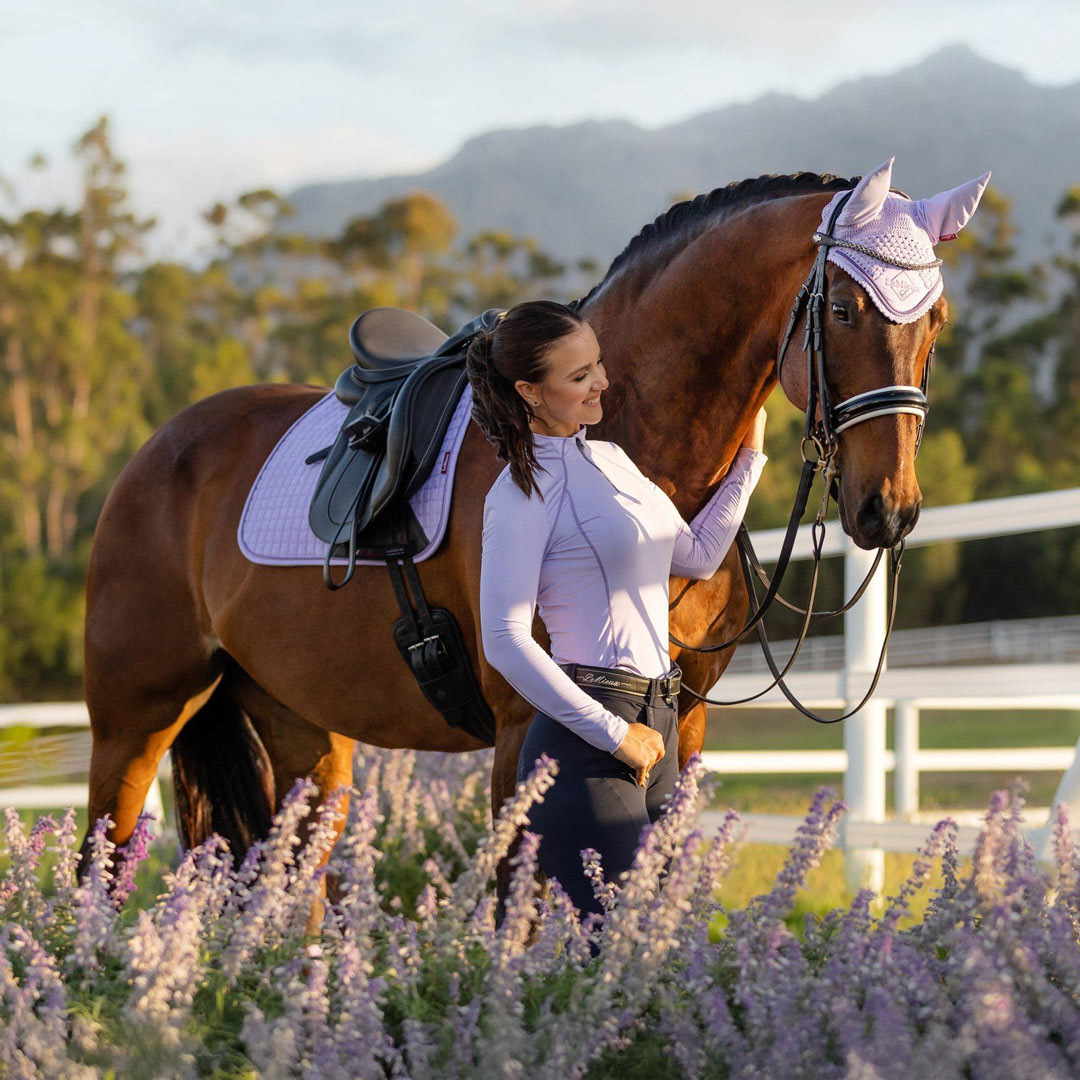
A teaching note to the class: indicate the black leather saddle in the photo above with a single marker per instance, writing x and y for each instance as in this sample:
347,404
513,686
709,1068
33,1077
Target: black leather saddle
402,391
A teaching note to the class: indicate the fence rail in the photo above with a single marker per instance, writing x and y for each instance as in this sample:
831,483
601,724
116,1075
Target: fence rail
60,755
864,760
1002,641
909,690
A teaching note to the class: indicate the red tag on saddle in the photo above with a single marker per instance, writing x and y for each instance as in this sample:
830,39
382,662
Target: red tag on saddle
950,236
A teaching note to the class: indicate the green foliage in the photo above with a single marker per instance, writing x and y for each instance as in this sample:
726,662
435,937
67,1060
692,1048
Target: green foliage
95,355
41,616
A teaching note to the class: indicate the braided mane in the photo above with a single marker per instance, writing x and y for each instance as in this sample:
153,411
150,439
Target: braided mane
689,218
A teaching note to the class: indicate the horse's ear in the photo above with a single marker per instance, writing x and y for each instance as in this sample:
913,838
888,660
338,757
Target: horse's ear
868,197
945,214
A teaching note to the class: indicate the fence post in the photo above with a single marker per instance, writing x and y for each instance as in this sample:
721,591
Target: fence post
1067,794
864,733
153,804
906,777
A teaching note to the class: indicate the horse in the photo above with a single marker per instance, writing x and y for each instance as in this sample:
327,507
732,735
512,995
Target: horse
255,676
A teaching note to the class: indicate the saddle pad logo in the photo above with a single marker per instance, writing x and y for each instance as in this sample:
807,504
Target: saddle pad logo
445,462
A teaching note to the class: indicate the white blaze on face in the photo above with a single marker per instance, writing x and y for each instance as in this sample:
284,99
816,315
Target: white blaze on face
902,230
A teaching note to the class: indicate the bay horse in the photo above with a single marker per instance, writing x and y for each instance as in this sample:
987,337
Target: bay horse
255,676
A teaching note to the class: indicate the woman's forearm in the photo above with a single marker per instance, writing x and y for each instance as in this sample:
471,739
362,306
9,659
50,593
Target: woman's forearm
701,545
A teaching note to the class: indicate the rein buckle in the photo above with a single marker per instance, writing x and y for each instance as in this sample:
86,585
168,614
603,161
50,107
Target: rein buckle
813,451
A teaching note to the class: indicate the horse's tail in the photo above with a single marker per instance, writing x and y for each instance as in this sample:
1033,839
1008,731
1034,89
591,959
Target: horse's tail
223,780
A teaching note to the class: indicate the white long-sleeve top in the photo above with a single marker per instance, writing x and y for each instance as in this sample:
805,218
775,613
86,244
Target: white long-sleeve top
595,554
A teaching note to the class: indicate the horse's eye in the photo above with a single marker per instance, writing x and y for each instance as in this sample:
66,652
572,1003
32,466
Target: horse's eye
840,313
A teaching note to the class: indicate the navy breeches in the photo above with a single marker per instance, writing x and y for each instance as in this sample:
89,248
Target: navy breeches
595,800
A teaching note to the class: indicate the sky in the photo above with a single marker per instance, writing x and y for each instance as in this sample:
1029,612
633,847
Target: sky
206,100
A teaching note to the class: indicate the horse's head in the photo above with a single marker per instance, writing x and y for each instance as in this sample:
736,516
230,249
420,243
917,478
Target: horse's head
880,314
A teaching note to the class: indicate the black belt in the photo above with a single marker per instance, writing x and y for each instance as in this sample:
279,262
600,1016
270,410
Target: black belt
652,691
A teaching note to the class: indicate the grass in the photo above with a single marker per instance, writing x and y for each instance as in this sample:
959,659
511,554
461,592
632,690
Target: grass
755,867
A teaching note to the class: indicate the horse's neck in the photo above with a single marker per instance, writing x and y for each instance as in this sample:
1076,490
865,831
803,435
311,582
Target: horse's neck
691,347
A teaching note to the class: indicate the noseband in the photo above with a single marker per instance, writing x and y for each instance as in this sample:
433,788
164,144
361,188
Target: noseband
820,436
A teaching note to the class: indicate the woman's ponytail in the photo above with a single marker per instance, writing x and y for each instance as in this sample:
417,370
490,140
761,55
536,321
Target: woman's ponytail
513,350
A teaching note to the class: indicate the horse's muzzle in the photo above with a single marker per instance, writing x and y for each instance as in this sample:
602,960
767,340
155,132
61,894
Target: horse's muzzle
880,525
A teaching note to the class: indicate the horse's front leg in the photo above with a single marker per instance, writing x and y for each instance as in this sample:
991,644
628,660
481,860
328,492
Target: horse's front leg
508,742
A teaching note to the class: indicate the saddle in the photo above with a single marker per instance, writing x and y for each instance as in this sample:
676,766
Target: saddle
402,391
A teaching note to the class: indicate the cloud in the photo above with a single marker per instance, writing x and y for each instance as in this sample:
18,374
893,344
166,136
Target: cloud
612,27
165,182
350,35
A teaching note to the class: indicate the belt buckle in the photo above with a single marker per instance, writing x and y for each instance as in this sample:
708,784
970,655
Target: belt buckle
670,691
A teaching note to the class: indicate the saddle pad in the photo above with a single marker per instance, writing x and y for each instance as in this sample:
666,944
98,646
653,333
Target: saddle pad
274,528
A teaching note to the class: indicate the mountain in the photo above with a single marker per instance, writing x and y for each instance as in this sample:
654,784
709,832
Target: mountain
584,189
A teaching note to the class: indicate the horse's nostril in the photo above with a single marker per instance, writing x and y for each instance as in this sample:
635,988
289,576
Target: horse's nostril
871,516
911,516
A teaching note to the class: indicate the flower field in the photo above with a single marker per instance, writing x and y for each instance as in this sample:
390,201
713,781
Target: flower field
408,976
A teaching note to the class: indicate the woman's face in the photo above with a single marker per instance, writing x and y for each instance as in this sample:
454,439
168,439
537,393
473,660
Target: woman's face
569,395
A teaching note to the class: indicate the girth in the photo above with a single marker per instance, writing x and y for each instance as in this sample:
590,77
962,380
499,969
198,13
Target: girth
430,641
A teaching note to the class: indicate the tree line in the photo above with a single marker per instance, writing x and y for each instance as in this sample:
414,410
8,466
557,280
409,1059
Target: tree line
98,349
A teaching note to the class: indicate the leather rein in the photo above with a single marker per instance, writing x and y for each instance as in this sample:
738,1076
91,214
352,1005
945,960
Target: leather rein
819,449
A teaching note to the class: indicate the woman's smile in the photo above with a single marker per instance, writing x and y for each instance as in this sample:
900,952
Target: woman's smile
572,364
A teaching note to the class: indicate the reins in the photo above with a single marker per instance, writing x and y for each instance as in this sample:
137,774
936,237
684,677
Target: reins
819,448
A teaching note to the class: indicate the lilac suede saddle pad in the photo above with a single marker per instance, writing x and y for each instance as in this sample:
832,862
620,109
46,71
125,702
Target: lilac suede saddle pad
274,528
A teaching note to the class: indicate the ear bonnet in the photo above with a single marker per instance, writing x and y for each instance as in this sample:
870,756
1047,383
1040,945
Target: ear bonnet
884,223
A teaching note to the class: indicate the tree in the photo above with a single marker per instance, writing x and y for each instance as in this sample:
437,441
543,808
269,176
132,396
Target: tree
71,374
395,252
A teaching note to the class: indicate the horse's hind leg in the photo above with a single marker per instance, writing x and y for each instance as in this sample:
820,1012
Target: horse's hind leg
152,662
132,731
297,748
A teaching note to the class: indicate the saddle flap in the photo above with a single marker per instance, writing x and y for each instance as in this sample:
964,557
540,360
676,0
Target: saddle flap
360,477
403,392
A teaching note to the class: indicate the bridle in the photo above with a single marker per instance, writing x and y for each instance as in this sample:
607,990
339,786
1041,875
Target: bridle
819,451
884,401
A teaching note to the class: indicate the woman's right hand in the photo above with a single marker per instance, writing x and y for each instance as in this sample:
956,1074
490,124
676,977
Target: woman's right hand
642,747
755,436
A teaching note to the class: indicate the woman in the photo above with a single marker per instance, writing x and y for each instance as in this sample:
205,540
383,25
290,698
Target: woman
573,525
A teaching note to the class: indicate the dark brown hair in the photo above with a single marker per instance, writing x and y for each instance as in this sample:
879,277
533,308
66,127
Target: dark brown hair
515,349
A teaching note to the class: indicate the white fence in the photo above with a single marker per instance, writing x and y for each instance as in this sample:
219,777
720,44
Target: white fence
59,753
864,761
1000,641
